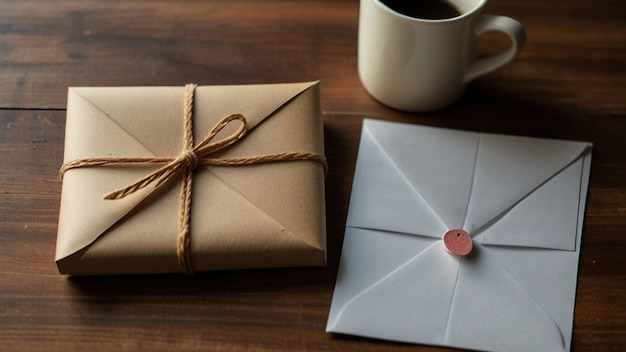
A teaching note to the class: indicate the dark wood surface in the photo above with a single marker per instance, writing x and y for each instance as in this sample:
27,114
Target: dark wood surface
568,82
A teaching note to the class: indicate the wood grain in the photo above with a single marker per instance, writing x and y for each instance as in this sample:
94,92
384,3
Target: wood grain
569,82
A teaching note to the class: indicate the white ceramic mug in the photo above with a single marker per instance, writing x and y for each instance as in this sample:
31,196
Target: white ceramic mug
415,64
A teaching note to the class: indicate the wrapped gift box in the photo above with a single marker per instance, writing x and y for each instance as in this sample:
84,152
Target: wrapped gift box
259,215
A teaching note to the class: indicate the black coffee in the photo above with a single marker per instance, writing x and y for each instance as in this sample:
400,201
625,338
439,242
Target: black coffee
426,9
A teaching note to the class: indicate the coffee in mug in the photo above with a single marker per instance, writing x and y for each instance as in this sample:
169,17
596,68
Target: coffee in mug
426,9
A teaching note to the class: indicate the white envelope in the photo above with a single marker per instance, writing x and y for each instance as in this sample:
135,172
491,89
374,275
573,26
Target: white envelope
521,200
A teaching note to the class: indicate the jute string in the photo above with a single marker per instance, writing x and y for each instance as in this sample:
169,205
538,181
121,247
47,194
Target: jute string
190,158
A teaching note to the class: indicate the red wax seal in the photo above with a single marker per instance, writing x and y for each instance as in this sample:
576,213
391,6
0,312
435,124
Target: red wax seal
458,242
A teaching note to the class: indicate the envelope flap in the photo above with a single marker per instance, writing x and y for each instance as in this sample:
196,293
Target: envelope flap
405,304
438,163
491,310
382,196
546,218
554,290
362,267
509,168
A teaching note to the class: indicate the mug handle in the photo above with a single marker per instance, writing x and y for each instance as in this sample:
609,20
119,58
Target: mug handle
512,28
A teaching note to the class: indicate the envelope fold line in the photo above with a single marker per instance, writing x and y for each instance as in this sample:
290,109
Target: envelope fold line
391,200
556,207
456,284
582,193
389,231
473,310
543,160
471,190
536,301
406,179
437,162
478,232
424,301
391,273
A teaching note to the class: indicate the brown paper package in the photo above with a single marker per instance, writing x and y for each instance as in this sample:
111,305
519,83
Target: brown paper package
252,216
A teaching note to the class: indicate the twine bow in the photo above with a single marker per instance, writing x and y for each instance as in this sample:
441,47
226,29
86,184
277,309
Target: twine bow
190,158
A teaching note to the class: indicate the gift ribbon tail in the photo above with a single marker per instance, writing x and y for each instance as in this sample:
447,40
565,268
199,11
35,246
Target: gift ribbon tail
159,176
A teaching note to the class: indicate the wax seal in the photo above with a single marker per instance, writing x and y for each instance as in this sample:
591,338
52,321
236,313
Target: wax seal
458,242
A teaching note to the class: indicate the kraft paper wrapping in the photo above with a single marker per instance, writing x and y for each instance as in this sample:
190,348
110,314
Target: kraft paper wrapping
251,216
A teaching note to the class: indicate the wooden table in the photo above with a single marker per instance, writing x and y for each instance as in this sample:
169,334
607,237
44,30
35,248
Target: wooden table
569,82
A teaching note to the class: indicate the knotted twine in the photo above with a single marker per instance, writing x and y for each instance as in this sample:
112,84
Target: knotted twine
190,158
